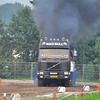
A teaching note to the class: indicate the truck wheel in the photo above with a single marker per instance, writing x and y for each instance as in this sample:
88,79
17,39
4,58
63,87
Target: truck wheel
40,82
67,83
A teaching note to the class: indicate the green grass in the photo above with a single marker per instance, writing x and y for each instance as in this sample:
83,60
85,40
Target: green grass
45,99
84,80
17,78
95,96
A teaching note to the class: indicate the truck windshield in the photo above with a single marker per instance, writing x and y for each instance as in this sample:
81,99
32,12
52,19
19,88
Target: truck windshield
54,53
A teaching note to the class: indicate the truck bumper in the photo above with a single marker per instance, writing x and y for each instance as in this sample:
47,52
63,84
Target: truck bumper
53,77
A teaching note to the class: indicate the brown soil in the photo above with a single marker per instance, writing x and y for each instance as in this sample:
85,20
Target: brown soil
27,88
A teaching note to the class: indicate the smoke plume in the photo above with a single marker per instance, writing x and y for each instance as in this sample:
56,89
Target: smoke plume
65,18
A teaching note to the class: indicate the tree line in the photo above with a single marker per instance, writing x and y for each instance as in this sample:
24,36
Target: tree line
88,49
21,38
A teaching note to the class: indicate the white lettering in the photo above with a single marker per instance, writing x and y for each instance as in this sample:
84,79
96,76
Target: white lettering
54,56
56,43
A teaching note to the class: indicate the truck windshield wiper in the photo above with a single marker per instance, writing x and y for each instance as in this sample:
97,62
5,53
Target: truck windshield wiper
53,66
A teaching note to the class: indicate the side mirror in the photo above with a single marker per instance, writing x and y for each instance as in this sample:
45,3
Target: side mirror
72,54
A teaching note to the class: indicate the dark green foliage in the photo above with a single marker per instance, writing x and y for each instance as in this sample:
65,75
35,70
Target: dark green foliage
88,50
24,33
7,70
91,72
5,43
22,36
85,50
15,70
97,49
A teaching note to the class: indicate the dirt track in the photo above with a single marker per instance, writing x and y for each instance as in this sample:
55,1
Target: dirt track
27,88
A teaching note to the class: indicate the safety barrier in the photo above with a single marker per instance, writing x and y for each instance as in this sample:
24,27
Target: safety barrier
73,93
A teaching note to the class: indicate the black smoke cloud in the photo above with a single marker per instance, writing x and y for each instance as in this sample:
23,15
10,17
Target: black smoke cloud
64,18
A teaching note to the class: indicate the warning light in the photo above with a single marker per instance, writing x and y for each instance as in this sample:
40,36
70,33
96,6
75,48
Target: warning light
37,72
67,39
43,43
65,43
63,38
69,73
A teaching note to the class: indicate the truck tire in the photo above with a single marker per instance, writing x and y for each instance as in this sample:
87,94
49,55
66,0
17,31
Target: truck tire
40,82
67,83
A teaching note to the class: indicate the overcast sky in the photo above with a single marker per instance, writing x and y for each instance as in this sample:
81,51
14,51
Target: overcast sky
24,2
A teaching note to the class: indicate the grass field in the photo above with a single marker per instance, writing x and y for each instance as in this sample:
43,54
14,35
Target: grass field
93,96
80,80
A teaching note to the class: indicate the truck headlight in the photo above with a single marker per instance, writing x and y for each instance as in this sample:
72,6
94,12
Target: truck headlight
66,76
41,76
41,73
65,73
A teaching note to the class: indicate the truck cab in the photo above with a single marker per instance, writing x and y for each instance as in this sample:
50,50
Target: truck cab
54,62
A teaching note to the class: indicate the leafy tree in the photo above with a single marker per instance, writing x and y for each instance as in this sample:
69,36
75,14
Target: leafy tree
2,25
5,43
97,49
24,33
84,47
